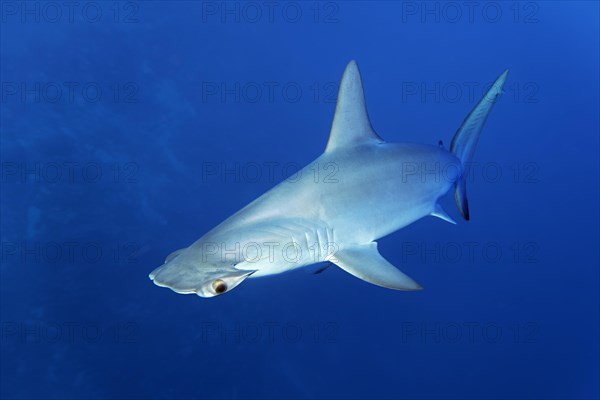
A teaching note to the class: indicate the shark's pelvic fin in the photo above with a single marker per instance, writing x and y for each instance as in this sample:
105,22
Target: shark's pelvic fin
351,123
441,213
465,139
320,267
365,262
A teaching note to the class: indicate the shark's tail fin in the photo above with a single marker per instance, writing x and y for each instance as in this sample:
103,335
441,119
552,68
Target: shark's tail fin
465,139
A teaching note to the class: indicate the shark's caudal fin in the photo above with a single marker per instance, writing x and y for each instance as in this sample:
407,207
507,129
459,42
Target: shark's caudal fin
351,125
465,139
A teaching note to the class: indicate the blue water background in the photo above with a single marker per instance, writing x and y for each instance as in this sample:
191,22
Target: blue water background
522,324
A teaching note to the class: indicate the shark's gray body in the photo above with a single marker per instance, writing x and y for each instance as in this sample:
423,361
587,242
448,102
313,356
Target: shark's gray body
359,190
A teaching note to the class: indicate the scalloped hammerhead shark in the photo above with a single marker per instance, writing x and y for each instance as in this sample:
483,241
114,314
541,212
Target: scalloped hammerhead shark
378,188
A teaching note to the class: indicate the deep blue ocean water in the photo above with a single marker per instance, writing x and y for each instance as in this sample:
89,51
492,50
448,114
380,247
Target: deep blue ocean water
129,129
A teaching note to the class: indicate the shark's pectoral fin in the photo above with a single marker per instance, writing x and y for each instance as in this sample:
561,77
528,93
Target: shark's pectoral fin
365,262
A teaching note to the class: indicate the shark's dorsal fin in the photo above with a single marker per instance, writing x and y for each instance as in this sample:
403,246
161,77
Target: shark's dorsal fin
351,125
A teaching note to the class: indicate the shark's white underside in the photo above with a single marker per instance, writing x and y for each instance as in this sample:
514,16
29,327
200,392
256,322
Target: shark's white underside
359,190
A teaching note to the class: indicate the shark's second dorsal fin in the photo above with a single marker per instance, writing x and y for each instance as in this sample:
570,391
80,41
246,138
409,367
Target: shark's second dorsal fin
351,125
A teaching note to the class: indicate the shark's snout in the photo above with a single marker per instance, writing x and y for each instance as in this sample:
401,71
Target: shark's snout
204,281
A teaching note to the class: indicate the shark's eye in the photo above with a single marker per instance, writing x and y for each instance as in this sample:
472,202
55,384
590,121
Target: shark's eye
219,286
